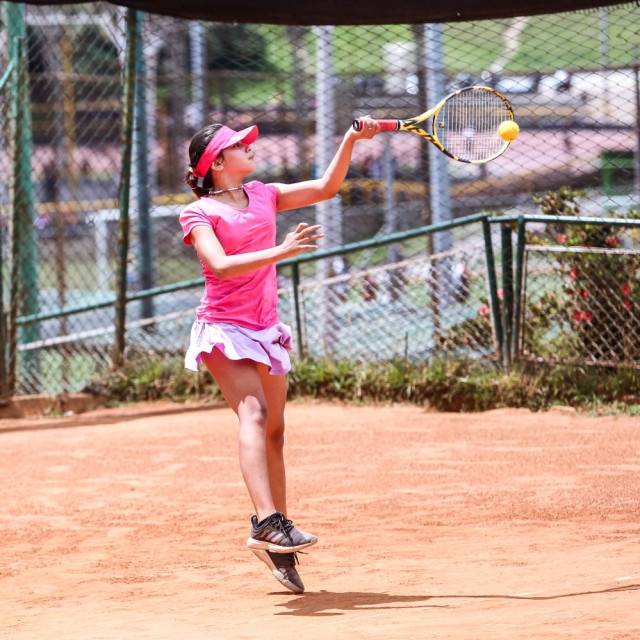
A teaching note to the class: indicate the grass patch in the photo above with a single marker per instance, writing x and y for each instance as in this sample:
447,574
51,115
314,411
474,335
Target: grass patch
444,385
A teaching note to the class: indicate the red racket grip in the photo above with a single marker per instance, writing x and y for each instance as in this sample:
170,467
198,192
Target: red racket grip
385,125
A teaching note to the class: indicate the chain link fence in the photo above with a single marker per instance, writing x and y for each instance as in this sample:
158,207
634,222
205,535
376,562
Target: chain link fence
411,308
71,167
580,303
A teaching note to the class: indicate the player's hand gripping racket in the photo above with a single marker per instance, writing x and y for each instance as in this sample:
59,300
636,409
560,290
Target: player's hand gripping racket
464,125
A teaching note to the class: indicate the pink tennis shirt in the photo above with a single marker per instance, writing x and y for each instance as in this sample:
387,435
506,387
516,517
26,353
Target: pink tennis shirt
250,300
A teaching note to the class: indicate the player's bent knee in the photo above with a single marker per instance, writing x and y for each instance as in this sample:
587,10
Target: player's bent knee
253,416
275,438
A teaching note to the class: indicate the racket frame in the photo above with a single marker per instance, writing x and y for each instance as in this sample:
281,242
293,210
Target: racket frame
410,124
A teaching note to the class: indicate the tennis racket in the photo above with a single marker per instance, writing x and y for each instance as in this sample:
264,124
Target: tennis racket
464,125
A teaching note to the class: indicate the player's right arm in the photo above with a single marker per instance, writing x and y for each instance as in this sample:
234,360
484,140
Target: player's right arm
302,194
224,266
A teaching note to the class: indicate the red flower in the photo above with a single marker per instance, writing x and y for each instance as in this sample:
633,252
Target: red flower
500,293
584,293
579,316
627,304
573,274
483,310
612,241
561,239
626,290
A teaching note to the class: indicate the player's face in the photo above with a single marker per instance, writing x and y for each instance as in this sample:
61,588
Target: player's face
239,157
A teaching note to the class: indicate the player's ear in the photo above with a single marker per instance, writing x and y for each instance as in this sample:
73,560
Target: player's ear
218,163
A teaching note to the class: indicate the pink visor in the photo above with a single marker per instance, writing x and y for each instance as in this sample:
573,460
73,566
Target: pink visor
223,139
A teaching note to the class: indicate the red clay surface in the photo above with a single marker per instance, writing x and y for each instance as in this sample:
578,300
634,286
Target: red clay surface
131,523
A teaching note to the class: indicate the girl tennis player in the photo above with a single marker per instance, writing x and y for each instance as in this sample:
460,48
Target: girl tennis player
237,333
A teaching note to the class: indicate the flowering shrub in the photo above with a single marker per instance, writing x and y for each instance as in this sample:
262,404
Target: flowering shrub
586,307
473,333
595,310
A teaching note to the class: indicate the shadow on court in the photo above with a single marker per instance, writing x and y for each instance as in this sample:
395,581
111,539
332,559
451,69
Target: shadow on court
327,603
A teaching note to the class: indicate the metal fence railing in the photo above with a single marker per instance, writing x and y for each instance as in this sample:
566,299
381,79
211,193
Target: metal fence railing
98,104
394,297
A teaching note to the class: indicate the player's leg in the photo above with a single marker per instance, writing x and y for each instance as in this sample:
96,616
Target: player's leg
282,565
275,391
241,387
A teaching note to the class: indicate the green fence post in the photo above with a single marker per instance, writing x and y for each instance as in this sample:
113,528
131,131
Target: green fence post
493,286
125,186
3,332
518,310
23,295
6,76
507,294
143,200
295,283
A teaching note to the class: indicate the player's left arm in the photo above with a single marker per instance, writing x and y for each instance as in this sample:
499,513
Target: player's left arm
308,192
225,266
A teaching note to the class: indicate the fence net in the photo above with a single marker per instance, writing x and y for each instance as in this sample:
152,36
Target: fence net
581,306
572,80
430,304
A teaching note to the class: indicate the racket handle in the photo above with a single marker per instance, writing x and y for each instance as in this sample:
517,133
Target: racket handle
385,125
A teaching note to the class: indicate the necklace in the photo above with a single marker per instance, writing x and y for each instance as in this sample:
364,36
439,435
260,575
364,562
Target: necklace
219,191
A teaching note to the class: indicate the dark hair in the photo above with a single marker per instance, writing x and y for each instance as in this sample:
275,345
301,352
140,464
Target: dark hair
197,146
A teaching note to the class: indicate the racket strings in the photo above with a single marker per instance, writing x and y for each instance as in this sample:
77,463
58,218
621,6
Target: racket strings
467,125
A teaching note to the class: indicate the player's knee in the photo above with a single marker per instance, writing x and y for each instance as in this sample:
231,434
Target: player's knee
275,435
254,415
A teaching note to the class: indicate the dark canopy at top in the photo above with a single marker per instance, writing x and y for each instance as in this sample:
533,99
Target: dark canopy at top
317,12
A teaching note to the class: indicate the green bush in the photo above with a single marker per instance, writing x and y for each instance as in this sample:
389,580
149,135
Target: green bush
443,385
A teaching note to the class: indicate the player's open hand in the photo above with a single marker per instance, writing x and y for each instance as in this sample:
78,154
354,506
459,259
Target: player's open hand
301,239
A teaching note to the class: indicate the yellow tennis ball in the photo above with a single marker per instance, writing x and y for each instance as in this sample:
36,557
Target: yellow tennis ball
508,130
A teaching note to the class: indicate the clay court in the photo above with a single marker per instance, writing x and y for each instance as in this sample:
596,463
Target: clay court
131,523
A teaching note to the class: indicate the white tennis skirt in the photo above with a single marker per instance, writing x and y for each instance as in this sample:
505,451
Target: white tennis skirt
269,346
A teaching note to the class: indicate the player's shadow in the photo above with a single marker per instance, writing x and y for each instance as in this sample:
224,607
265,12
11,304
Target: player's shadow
328,603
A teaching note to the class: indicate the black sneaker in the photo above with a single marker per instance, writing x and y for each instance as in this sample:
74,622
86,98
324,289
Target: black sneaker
283,567
277,534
